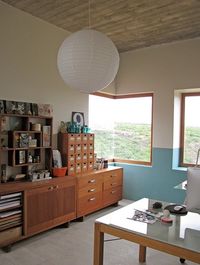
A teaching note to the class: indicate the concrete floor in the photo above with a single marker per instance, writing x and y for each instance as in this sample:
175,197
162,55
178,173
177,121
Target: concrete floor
74,246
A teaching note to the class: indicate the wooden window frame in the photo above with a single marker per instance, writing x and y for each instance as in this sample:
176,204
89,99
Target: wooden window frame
182,129
121,96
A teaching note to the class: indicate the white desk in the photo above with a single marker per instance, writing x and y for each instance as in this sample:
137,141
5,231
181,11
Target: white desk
181,239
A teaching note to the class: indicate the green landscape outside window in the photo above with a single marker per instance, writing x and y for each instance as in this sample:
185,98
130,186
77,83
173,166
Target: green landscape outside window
191,142
122,127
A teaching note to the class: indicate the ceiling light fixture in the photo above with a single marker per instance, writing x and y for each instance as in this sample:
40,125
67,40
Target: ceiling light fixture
88,60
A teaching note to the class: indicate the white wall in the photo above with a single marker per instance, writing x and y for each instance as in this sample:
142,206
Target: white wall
28,71
161,69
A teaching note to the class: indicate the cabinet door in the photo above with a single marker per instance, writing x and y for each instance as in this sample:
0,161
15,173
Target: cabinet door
49,206
64,203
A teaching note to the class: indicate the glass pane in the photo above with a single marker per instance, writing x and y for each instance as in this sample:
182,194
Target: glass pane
101,121
122,127
192,129
132,128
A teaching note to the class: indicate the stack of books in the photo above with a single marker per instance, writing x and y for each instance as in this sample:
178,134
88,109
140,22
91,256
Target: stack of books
10,211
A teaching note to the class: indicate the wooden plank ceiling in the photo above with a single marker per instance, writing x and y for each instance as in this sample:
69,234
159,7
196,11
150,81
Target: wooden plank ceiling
131,24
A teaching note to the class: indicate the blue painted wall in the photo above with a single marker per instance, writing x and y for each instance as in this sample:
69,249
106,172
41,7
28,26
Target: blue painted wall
156,181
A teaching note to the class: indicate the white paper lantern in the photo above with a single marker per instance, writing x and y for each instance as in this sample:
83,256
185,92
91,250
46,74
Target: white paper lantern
88,61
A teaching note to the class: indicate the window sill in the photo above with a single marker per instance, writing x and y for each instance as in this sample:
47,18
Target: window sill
180,168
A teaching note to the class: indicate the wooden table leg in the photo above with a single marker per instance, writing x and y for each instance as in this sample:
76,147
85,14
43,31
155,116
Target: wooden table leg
98,245
142,254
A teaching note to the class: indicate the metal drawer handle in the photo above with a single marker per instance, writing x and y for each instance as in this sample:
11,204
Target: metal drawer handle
113,184
92,190
92,181
50,188
113,191
55,187
91,199
112,176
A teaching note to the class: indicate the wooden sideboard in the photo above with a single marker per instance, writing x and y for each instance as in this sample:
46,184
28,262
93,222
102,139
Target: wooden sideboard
49,203
43,205
98,189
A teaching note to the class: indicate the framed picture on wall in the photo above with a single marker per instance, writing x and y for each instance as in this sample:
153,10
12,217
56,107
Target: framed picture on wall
10,106
34,109
28,109
2,108
78,117
20,108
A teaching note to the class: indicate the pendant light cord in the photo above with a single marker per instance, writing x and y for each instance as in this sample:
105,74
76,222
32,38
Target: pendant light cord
89,14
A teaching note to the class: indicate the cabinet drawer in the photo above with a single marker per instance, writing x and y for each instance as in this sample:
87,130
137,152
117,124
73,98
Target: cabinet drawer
88,180
112,180
70,138
89,204
10,235
112,195
90,190
112,175
112,183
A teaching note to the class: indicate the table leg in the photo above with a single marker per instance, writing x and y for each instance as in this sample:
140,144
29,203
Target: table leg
142,254
98,245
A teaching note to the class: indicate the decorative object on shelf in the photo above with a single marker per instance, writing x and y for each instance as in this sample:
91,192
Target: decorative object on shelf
32,142
10,106
39,175
30,158
3,173
19,177
34,109
20,108
23,140
25,108
46,135
57,161
22,157
28,108
78,117
45,110
85,129
59,171
63,127
36,127
2,107
99,163
4,124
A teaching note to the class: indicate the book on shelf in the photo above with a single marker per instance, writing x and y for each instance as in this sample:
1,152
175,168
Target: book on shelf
2,201
10,218
9,225
7,205
6,196
9,213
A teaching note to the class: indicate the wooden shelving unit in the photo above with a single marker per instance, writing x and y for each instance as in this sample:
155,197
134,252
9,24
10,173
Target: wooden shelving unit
21,147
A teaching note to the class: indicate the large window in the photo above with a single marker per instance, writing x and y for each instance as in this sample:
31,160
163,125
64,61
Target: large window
190,128
122,127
